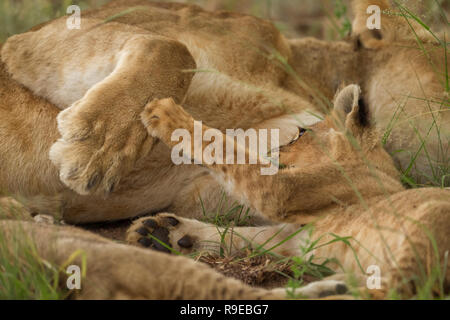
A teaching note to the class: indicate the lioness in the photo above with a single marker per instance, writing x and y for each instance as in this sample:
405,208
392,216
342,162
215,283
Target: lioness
352,184
150,53
109,69
404,233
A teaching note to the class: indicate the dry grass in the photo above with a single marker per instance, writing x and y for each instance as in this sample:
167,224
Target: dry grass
261,271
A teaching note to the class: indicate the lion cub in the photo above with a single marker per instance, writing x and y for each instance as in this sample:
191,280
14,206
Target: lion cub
337,177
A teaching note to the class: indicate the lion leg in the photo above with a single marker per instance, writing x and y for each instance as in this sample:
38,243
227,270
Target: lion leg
169,233
162,117
406,247
190,235
101,135
117,271
424,255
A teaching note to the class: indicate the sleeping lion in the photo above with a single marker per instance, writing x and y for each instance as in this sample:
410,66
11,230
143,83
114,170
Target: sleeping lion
86,136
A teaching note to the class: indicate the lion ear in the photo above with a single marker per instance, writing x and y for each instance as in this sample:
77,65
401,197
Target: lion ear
350,109
364,11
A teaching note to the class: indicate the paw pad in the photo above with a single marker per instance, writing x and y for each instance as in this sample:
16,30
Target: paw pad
146,242
156,231
150,223
162,232
341,288
163,235
338,290
186,242
143,231
172,221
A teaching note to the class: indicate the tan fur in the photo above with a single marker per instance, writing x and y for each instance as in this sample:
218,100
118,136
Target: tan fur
97,149
11,209
402,79
102,147
117,271
346,186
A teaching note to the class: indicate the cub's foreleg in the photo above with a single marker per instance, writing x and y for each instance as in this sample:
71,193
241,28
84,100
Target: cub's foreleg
117,271
167,232
273,196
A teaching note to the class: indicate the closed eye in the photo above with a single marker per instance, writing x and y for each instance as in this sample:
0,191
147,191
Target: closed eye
300,134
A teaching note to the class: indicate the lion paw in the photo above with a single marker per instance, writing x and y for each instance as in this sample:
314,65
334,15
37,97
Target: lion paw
97,150
173,233
162,117
322,289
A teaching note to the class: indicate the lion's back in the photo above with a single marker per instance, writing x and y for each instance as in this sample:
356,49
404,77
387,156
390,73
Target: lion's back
236,44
